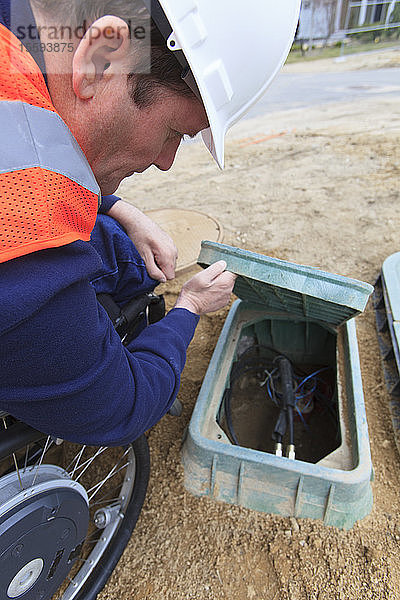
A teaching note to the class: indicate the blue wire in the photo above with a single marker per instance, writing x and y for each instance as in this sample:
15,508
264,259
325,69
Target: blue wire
298,397
270,392
302,418
309,377
308,392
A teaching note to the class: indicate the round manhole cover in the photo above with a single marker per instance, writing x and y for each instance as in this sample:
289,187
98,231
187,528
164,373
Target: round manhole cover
188,228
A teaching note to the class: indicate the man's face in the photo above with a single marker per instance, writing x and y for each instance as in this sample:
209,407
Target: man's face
120,139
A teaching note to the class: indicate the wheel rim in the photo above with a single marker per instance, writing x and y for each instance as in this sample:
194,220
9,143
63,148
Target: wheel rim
102,537
105,476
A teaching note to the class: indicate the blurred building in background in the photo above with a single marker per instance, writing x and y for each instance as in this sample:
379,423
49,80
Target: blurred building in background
332,20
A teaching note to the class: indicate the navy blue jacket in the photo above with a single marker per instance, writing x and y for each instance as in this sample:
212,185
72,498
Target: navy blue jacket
63,368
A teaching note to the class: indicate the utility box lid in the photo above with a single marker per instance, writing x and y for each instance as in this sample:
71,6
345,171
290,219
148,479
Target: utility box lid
282,286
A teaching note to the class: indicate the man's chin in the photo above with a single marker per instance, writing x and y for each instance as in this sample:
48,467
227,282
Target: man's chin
109,187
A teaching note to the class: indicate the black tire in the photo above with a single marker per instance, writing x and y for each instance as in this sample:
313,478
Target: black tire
95,578
100,576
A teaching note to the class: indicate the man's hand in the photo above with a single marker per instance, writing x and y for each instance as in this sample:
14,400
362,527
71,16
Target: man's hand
153,244
207,291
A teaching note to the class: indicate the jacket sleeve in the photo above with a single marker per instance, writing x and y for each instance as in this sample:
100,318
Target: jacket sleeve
106,203
66,373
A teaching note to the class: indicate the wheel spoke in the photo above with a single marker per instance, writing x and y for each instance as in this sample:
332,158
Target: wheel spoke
85,465
99,485
105,500
110,473
26,456
93,539
14,458
17,469
46,447
84,560
76,458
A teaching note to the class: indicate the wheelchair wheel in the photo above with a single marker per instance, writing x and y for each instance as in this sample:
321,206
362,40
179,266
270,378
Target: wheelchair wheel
66,513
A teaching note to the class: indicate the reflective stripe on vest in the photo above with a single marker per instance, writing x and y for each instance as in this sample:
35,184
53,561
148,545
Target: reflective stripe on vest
42,140
48,193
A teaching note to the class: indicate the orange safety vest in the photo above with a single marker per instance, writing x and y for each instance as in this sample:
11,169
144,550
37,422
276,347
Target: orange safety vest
48,194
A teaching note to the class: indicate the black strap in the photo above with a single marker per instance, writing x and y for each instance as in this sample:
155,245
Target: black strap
111,307
146,309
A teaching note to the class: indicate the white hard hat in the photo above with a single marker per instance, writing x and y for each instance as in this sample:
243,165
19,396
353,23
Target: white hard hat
233,49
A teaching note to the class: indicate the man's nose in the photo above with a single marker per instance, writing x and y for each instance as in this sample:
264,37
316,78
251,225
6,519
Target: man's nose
165,159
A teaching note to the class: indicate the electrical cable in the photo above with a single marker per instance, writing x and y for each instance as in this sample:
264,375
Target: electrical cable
311,375
228,416
292,384
288,399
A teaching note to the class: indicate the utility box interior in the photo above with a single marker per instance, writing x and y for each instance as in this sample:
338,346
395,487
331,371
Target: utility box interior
251,403
231,451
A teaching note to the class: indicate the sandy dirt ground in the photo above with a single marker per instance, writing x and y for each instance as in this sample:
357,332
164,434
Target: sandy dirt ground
320,187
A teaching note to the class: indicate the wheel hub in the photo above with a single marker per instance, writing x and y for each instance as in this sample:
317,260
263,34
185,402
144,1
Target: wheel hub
25,578
43,522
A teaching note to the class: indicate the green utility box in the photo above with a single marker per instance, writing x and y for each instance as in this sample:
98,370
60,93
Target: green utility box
305,315
387,312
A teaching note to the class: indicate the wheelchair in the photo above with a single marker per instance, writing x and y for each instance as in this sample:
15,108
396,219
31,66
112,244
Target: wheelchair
67,511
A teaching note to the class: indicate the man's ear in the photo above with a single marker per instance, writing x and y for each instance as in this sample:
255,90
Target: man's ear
102,52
